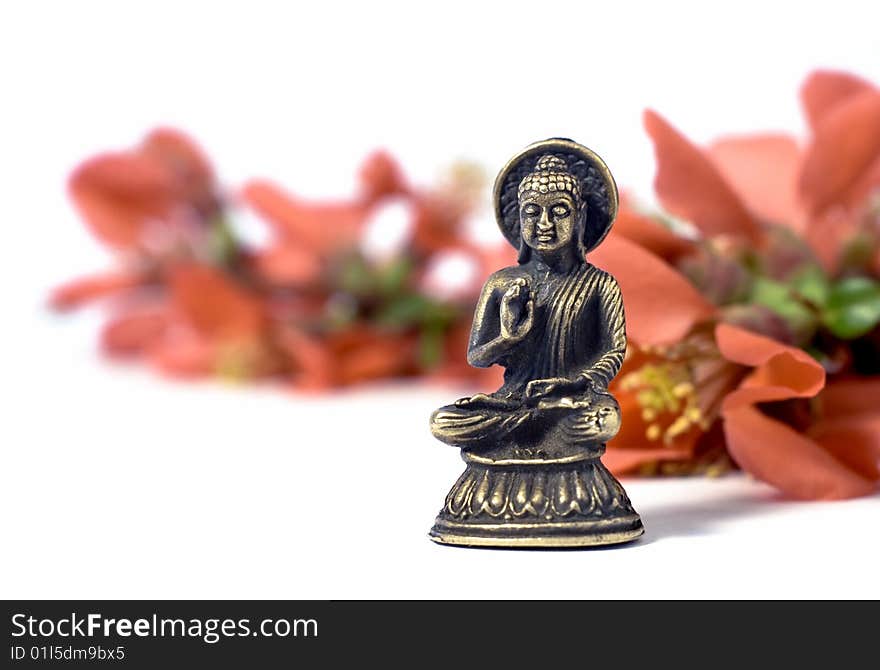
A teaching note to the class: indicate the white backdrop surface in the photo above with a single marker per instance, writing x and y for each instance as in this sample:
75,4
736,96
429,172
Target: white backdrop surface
117,484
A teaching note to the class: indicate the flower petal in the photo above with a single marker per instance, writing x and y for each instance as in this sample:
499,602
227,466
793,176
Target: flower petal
827,232
625,460
133,334
690,186
312,362
763,170
285,263
186,355
824,90
213,304
380,176
85,289
781,372
777,454
193,175
845,145
649,233
179,151
773,451
117,194
438,223
853,440
850,397
661,305
321,228
383,357
864,186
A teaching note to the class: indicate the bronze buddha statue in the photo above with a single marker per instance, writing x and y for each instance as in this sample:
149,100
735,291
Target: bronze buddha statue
556,324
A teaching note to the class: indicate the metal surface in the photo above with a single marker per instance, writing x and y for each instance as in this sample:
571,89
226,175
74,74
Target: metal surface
555,323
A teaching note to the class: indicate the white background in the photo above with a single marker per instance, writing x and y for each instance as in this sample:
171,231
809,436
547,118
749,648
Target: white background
117,484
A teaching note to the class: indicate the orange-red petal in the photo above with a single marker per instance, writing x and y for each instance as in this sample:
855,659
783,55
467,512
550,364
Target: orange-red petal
85,289
179,152
691,187
826,234
185,356
772,451
382,357
796,465
845,145
650,234
824,90
438,223
190,170
312,362
780,371
380,176
320,228
133,334
286,263
661,305
853,440
763,170
117,194
214,305
625,460
848,397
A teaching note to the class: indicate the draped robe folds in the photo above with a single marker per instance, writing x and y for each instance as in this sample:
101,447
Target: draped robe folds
578,331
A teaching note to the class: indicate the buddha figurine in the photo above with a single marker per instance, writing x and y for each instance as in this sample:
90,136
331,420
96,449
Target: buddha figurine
555,322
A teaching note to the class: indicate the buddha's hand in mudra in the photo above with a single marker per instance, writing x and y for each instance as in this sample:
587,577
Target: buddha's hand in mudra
553,387
517,311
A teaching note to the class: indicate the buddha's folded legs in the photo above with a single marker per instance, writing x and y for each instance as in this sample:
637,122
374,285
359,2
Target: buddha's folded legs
599,421
593,418
469,428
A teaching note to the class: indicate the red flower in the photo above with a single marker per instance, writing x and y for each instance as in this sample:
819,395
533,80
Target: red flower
740,184
157,203
695,390
698,379
777,453
85,289
214,326
308,235
166,179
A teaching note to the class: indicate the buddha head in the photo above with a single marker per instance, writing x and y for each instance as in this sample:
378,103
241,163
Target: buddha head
551,211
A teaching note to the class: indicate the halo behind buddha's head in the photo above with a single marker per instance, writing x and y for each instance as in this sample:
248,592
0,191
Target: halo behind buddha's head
563,165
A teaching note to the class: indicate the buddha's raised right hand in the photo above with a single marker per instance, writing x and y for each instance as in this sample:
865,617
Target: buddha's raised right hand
517,311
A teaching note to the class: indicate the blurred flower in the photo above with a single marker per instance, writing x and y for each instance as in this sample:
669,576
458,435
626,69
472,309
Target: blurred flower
309,306
753,301
164,181
154,205
736,328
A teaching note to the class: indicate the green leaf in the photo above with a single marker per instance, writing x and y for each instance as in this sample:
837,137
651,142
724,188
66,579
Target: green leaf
403,311
858,251
393,277
341,310
853,307
781,298
770,293
413,309
430,347
811,284
222,247
353,275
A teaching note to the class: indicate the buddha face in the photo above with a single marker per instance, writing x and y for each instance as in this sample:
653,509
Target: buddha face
548,221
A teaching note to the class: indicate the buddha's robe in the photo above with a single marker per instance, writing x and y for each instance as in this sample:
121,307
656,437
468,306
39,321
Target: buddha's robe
578,332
